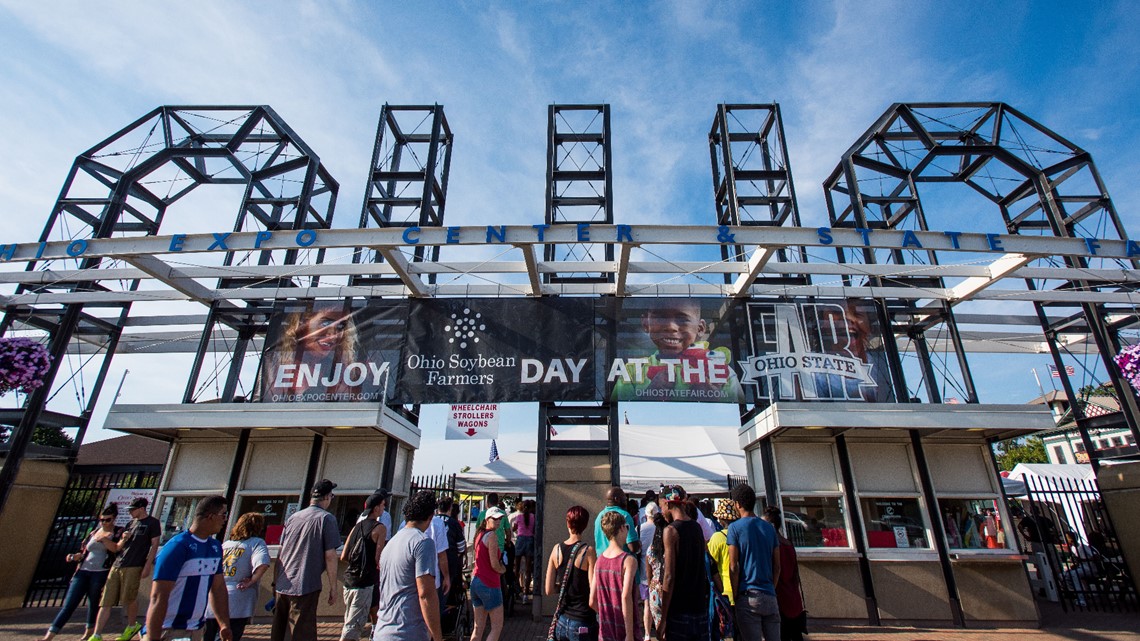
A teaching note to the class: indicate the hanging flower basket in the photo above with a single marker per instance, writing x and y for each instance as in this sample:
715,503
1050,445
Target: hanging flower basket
1128,360
23,364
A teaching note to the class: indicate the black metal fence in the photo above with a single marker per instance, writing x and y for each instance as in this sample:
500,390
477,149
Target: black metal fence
440,484
85,496
1075,547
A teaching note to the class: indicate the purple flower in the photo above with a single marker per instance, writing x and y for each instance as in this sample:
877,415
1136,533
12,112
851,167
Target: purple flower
1128,360
23,364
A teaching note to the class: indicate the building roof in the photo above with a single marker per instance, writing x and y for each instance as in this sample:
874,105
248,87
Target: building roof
1056,396
124,450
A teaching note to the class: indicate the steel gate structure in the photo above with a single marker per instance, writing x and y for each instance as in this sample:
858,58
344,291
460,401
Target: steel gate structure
84,497
1084,560
1053,252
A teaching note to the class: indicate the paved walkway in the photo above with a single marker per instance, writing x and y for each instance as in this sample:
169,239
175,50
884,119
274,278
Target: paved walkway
29,624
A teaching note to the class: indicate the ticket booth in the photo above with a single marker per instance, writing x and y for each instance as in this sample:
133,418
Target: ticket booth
896,510
266,457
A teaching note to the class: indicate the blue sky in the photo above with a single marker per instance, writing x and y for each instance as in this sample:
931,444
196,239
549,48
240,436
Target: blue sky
75,72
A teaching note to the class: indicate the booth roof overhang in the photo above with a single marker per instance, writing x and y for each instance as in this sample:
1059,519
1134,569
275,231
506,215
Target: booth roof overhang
227,420
978,421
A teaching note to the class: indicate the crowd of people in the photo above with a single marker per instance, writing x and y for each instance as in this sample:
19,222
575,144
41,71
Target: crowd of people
665,567
672,572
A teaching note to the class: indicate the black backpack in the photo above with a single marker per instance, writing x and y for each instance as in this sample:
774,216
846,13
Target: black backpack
361,570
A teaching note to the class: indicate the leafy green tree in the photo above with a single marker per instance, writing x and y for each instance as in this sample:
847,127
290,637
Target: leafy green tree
43,435
51,436
1030,449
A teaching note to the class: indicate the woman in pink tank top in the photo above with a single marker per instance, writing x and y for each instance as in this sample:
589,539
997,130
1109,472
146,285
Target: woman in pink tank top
524,546
611,593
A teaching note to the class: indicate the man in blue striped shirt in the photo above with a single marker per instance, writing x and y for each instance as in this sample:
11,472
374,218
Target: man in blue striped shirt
187,573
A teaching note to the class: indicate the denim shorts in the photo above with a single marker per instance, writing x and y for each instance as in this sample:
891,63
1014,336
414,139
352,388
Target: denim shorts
485,597
569,629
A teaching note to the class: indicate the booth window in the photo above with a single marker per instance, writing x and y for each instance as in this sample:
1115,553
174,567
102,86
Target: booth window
815,521
972,524
347,509
177,514
275,508
894,522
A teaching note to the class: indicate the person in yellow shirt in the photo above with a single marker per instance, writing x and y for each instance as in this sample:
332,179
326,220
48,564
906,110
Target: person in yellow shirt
718,545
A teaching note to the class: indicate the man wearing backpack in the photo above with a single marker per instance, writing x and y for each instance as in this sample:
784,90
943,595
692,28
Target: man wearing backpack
361,555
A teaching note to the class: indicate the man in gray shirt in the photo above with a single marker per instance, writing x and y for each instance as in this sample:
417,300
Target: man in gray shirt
308,549
409,604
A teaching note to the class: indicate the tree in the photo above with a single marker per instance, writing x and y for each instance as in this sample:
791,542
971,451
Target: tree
43,435
1104,389
1030,449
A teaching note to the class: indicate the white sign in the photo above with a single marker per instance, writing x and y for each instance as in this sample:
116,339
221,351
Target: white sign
476,421
901,539
122,499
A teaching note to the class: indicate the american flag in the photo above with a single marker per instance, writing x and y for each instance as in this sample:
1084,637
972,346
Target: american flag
1069,369
494,452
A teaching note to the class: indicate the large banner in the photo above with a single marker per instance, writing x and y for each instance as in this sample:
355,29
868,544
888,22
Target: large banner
823,350
488,350
333,352
675,349
461,351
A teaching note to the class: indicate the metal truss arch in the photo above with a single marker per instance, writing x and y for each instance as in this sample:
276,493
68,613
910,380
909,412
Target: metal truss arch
123,187
1041,183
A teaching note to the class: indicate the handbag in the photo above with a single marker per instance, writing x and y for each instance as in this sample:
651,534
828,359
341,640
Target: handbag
562,592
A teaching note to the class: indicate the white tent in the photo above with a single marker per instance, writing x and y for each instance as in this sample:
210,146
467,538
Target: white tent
700,458
1056,471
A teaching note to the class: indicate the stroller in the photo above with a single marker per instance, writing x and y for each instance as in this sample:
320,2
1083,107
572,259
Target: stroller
457,619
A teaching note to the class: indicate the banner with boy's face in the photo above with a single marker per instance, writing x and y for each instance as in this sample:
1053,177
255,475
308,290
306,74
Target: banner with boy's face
676,349
578,349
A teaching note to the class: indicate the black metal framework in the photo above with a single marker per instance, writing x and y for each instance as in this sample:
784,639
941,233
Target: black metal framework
579,182
752,178
76,516
407,180
1040,183
123,187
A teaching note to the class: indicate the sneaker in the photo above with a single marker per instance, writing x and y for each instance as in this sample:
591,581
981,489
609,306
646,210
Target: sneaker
130,632
95,637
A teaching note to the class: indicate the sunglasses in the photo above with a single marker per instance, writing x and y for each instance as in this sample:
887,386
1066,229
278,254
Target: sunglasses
106,520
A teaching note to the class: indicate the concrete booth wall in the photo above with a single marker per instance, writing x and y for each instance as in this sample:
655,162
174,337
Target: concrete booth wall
570,480
26,522
1120,488
275,454
866,511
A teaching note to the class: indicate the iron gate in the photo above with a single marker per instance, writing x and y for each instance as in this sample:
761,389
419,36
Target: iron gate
1077,547
85,496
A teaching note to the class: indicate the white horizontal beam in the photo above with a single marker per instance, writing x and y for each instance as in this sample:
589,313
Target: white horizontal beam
52,276
810,237
577,289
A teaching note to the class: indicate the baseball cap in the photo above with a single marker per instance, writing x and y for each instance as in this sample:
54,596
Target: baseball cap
672,493
495,513
375,499
324,487
138,502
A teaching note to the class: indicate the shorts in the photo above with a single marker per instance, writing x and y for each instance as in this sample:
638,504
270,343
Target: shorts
524,546
485,597
122,587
